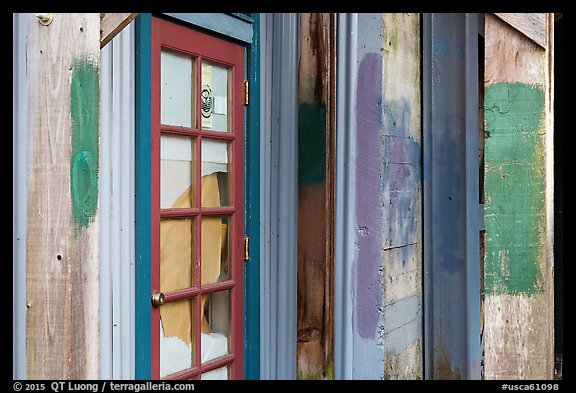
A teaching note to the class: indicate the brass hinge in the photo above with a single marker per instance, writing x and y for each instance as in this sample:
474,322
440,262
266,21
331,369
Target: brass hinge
246,248
246,92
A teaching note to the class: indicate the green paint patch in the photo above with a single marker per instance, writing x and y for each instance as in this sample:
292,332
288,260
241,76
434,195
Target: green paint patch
84,102
311,143
515,187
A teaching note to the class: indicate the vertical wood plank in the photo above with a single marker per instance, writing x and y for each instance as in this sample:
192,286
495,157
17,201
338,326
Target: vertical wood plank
518,306
62,336
315,322
401,309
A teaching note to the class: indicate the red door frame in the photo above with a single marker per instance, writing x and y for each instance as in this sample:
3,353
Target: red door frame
182,39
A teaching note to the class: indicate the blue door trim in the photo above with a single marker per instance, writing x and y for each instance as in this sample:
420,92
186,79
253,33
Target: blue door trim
252,208
143,133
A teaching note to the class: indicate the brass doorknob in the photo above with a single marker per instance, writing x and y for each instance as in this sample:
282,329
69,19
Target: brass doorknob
157,299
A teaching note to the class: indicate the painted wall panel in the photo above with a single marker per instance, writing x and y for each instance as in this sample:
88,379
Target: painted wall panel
19,193
345,218
142,151
252,209
367,291
278,174
402,189
386,274
451,264
117,198
449,258
519,171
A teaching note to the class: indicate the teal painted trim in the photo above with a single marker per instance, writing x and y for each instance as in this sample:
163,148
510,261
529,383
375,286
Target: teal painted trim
143,350
252,210
246,17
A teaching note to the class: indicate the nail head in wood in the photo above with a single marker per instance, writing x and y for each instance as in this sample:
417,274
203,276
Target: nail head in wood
45,19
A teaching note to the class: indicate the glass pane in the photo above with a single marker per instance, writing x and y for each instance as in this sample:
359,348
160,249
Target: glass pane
216,188
219,373
215,325
177,345
177,89
215,254
177,253
177,171
215,96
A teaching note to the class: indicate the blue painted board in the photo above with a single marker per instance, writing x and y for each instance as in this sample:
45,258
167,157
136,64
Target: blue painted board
143,194
252,210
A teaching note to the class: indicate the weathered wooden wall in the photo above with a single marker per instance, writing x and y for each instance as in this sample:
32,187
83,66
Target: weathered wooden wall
62,336
387,291
402,192
315,318
518,306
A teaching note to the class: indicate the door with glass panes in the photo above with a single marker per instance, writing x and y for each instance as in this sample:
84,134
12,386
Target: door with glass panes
197,204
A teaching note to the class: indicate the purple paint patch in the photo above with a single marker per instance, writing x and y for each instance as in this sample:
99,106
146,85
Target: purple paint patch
368,194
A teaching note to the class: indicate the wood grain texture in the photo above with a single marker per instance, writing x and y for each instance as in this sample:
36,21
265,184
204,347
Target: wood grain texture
314,58
112,23
316,144
513,57
62,336
518,305
401,311
532,25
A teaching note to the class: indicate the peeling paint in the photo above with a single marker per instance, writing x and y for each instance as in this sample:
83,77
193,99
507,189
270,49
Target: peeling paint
402,365
400,328
515,187
519,189
386,278
401,175
531,357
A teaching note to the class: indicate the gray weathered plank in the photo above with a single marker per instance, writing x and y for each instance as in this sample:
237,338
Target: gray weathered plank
62,336
112,23
533,25
518,306
402,196
315,320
